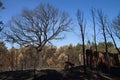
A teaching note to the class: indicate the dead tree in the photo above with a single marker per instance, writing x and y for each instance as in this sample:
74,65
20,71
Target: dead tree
94,26
103,25
38,27
110,32
116,26
81,23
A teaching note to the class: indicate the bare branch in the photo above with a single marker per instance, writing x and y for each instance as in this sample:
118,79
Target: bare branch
39,26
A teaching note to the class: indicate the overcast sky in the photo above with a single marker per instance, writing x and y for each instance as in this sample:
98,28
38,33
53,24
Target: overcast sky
109,7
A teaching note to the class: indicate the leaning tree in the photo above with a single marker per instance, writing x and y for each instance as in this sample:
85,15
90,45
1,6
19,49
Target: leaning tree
38,27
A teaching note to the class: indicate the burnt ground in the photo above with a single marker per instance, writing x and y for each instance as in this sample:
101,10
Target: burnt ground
70,74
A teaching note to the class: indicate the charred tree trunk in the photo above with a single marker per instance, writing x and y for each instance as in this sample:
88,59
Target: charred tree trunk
111,35
83,48
93,19
80,18
102,21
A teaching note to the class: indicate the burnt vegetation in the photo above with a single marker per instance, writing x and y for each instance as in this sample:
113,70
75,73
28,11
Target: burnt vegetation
37,59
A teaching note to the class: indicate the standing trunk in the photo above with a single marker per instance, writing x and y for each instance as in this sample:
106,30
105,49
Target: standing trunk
80,18
83,48
93,19
106,47
38,58
103,26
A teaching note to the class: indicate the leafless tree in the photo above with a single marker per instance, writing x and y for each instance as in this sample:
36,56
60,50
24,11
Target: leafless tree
39,26
110,32
81,23
103,25
116,26
94,26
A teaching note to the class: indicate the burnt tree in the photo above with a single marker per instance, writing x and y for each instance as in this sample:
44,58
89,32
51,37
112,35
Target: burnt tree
103,25
81,23
38,27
